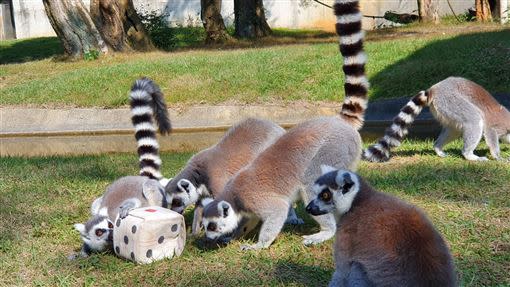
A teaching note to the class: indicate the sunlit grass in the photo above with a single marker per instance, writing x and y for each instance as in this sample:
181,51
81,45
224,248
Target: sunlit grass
41,198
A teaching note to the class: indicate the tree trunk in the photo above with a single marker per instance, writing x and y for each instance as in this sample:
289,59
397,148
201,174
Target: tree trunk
483,10
119,25
250,19
428,10
74,27
213,21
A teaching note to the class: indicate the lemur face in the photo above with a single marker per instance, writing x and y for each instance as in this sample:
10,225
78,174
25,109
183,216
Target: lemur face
335,190
97,234
183,194
219,220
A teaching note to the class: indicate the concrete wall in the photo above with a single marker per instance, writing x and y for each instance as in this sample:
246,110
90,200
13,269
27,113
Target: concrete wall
31,20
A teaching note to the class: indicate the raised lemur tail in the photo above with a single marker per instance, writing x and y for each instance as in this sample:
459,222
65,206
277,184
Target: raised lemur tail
394,135
348,27
147,101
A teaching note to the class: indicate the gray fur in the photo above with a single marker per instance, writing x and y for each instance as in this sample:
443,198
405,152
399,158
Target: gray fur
207,172
380,240
463,108
266,188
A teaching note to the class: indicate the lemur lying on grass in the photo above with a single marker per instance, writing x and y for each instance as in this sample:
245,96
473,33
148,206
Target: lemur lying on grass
131,192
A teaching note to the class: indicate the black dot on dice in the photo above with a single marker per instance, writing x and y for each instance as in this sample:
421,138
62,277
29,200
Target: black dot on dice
118,222
117,249
160,239
126,240
132,256
149,253
133,229
174,227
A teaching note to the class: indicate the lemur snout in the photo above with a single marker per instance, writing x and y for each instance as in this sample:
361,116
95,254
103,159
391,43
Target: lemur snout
313,209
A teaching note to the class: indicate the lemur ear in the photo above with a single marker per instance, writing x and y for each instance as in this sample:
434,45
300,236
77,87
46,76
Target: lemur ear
184,184
326,168
348,183
224,208
80,228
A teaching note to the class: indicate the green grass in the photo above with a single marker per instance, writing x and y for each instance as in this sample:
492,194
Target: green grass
41,198
401,62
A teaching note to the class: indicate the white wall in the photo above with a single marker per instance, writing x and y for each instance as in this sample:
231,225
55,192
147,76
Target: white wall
31,20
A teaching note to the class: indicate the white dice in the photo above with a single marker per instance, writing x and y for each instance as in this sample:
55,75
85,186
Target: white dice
148,234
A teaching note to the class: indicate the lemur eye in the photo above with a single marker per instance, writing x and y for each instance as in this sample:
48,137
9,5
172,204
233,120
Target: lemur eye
99,232
211,226
325,195
110,225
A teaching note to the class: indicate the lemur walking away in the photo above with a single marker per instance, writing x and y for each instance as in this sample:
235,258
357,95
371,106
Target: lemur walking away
266,188
463,108
131,192
380,240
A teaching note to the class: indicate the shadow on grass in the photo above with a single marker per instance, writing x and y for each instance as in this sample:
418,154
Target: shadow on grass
481,57
290,273
25,50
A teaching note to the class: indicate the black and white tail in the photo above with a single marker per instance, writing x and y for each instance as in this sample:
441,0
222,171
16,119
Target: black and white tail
147,101
348,27
394,135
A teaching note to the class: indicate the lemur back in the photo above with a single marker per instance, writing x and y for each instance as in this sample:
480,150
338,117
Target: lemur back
265,188
131,192
207,172
463,108
380,240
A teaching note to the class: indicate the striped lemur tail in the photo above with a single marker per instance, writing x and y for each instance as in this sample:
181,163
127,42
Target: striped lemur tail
394,135
348,27
147,101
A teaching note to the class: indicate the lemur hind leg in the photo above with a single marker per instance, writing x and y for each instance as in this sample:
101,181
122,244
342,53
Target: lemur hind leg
447,135
271,226
492,140
472,134
326,222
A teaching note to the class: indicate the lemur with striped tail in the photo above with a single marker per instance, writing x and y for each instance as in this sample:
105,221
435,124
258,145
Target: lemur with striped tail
131,192
207,172
463,108
264,189
380,240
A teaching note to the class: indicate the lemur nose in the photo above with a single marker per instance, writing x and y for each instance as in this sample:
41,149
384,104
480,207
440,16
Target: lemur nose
211,226
177,202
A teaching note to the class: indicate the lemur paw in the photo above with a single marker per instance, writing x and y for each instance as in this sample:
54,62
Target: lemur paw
317,237
441,153
124,211
482,158
245,247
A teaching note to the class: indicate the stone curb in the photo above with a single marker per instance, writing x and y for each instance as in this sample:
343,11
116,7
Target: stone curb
48,132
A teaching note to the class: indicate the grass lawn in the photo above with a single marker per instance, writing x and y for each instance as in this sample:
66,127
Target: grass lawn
401,62
41,198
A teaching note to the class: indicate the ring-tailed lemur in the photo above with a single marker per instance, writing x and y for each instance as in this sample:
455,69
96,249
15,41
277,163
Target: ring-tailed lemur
265,188
380,240
131,192
207,172
463,108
